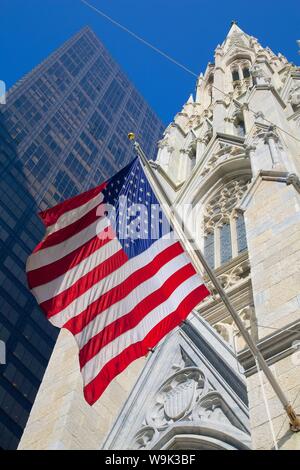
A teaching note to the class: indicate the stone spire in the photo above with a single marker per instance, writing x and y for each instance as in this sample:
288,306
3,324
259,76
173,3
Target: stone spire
234,28
236,37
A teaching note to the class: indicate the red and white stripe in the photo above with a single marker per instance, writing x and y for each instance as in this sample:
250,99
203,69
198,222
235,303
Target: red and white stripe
117,308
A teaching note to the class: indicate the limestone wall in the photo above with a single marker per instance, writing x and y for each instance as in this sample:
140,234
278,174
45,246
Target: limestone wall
287,373
273,231
60,417
272,219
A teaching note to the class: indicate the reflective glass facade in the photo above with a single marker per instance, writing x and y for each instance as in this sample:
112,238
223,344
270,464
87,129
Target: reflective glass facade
64,129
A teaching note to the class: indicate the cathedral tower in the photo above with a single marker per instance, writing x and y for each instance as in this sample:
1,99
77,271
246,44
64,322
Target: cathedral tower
229,161
232,155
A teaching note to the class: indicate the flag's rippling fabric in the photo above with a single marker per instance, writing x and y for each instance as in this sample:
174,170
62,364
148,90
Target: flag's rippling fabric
111,271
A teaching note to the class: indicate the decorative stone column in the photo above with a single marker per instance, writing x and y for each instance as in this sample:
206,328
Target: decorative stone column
218,95
247,116
259,75
185,166
163,155
200,148
272,140
250,149
229,125
199,88
181,119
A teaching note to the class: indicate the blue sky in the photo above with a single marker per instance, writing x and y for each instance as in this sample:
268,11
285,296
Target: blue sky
187,30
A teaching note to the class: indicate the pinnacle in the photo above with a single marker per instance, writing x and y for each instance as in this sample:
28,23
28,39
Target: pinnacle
234,28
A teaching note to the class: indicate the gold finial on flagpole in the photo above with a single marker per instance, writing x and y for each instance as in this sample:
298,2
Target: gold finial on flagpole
131,136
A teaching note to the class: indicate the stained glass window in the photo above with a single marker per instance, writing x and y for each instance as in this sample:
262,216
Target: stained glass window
225,243
241,234
246,72
235,75
209,249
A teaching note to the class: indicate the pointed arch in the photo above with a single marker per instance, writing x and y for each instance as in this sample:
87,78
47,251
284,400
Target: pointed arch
223,226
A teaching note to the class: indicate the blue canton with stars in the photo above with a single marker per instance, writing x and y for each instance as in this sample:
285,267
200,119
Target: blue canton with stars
134,210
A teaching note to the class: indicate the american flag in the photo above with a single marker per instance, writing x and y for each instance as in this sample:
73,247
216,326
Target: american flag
112,272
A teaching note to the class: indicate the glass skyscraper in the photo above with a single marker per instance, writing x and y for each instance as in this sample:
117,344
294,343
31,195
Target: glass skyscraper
64,129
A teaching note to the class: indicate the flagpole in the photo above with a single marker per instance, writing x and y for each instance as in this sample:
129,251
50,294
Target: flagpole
200,263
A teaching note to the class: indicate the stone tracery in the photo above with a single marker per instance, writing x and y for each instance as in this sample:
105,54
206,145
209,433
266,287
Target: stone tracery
224,234
186,396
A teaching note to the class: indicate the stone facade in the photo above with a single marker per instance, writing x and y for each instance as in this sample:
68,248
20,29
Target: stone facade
229,161
196,399
233,155
60,417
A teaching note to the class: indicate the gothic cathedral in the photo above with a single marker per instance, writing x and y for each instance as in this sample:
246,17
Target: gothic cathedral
230,160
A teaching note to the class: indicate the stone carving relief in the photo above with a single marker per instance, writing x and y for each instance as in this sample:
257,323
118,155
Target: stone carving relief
268,135
231,334
212,407
207,136
294,97
220,208
260,132
186,395
163,142
240,272
176,397
227,330
236,39
144,436
225,152
265,133
259,75
234,275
